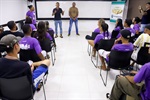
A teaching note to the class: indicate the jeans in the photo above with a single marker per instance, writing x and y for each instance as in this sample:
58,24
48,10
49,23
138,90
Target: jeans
70,25
143,27
56,26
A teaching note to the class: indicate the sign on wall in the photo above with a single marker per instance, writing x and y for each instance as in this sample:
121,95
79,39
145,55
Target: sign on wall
117,10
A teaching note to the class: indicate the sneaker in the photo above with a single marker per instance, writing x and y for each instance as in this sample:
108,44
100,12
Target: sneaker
56,36
68,34
78,34
61,36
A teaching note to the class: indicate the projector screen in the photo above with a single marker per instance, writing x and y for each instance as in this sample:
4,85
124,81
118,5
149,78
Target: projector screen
87,9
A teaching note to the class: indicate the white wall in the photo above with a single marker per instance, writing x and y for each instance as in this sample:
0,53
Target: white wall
12,10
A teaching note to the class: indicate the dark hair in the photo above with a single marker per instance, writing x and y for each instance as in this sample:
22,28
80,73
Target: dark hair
11,24
28,20
119,24
148,3
41,31
47,25
30,6
105,29
137,19
129,22
26,29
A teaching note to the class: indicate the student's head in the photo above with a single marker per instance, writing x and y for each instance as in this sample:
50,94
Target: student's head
31,7
28,20
11,43
104,28
12,25
136,20
100,22
47,25
119,23
41,30
147,29
27,29
73,4
127,23
57,4
148,5
125,34
1,29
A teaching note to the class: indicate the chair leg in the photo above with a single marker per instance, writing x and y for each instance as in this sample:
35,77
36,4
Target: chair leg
96,60
52,58
44,90
104,81
89,50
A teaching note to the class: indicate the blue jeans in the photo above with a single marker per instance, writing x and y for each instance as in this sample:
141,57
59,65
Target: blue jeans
70,25
56,26
143,27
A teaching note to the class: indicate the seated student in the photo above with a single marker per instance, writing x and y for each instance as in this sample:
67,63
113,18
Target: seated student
127,25
136,26
145,37
96,31
118,28
13,30
42,32
29,21
30,43
104,34
128,85
11,67
51,32
125,46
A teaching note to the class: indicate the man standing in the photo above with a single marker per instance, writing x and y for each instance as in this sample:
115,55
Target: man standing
57,18
145,17
73,13
31,14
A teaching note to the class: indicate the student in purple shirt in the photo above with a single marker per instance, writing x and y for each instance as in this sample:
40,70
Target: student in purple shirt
137,86
96,31
30,43
125,46
31,14
127,25
136,26
103,35
29,21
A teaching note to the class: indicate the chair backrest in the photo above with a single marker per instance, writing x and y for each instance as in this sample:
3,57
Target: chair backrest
26,55
46,44
143,56
105,44
114,34
16,88
119,59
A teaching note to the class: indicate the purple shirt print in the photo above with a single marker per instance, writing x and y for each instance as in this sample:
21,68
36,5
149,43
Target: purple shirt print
123,47
144,75
28,43
31,14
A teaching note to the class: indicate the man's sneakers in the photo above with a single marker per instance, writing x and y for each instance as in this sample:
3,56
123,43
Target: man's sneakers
61,36
78,34
68,34
56,36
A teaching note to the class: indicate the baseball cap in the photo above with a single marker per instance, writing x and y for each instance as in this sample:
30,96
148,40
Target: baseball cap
10,40
125,33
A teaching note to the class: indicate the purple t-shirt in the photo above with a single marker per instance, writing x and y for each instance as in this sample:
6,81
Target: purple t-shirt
136,27
48,36
131,30
117,28
100,36
33,27
31,14
123,47
28,43
144,75
97,30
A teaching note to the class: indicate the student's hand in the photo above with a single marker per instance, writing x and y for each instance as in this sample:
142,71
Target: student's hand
32,68
134,72
55,11
140,7
116,41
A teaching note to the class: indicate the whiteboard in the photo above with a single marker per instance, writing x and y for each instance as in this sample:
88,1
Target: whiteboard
12,10
87,9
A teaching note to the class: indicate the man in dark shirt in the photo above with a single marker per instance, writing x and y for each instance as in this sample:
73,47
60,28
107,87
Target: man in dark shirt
57,18
11,67
13,30
145,17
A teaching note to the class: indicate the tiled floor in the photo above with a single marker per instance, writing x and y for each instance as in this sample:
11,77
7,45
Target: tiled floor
74,77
